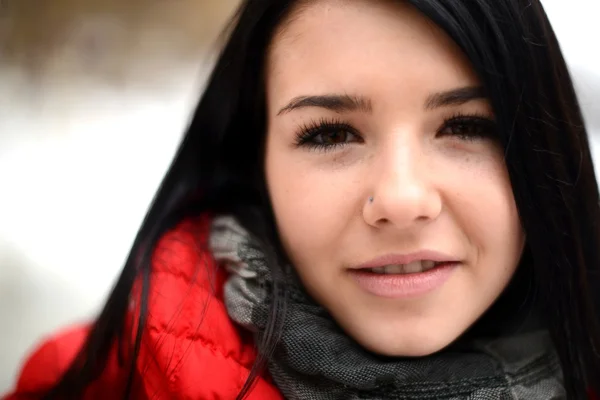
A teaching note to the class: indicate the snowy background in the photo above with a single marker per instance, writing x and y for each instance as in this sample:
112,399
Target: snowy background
81,156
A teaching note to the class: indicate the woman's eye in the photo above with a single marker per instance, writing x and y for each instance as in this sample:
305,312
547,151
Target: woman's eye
333,138
468,128
327,136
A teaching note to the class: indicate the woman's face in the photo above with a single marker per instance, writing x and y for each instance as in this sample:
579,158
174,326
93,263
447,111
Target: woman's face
390,193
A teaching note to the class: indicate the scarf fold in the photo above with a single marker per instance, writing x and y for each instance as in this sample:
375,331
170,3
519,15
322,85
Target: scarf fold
316,360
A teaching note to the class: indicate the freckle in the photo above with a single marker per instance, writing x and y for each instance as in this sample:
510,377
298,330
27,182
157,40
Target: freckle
339,161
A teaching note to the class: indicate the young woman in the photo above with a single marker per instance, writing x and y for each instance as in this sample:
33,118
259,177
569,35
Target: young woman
375,199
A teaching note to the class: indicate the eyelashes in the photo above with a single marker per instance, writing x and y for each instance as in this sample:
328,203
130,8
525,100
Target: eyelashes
327,134
469,127
330,134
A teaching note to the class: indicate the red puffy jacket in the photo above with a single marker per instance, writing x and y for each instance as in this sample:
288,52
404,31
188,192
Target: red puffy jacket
190,349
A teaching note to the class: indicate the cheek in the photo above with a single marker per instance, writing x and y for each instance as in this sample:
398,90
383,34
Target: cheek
312,204
485,208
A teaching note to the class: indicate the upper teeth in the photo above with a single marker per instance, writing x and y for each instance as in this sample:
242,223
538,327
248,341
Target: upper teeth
410,268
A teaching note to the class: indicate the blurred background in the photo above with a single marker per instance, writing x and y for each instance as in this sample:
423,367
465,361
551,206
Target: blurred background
94,97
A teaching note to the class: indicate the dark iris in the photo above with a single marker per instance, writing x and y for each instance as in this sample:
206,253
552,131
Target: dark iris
333,138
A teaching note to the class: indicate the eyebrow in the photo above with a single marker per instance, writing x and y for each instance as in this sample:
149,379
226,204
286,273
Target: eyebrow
333,102
347,103
455,97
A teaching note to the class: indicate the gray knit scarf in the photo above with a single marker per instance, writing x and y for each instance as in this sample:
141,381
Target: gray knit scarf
316,360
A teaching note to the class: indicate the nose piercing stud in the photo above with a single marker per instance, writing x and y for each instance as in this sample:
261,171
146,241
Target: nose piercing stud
371,199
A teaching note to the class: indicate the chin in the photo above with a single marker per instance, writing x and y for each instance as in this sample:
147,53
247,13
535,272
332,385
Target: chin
405,351
406,345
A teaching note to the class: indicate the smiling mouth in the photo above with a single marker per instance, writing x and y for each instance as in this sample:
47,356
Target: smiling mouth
413,267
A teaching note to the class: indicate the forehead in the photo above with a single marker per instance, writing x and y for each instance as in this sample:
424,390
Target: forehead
362,46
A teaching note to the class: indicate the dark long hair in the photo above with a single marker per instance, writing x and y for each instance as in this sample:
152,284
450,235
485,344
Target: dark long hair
513,49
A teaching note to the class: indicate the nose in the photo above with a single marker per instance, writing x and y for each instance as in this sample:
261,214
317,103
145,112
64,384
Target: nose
404,193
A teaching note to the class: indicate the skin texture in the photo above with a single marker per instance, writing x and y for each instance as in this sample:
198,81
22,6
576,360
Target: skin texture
433,188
